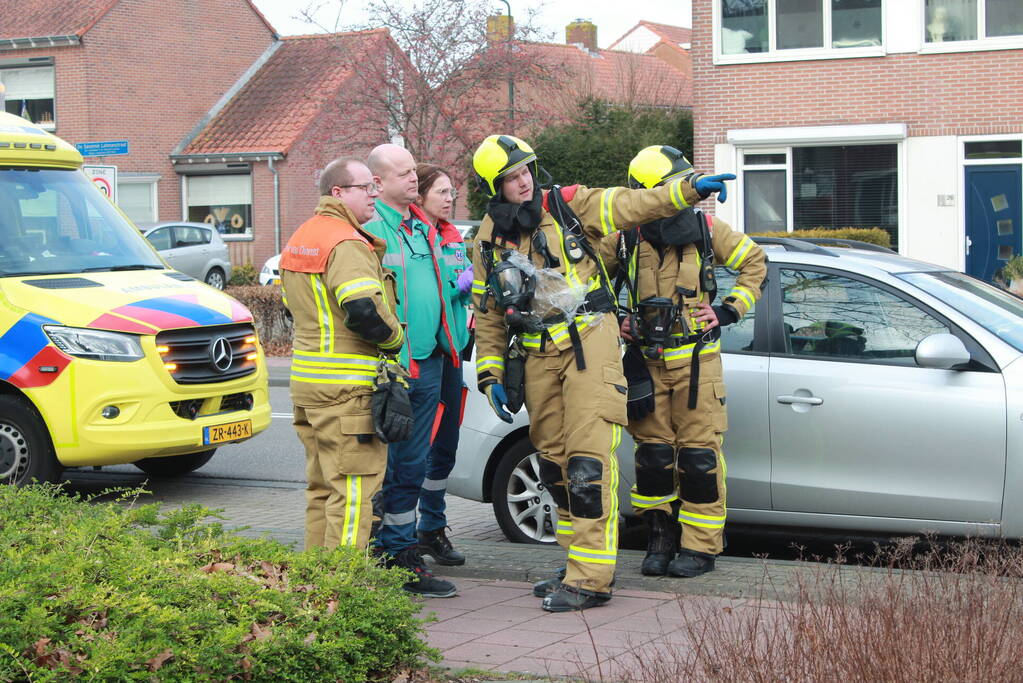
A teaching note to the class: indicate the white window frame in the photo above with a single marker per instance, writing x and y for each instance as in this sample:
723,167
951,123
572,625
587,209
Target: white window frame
963,163
782,140
248,236
153,181
11,65
775,55
982,43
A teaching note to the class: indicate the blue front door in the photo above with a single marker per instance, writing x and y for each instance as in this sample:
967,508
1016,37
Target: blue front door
993,216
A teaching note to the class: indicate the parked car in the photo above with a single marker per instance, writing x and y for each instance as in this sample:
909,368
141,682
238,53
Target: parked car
866,391
271,272
195,249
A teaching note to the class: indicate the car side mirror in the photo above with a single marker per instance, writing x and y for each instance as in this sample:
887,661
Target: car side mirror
942,351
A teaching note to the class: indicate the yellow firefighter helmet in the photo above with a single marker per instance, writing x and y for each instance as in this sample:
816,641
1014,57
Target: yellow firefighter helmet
657,164
499,155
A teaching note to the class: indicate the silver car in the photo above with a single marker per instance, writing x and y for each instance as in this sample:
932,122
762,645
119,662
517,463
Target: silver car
195,249
866,392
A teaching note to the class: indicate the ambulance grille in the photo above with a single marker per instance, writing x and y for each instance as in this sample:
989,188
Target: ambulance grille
207,355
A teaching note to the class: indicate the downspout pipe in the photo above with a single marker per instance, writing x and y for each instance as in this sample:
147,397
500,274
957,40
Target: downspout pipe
277,205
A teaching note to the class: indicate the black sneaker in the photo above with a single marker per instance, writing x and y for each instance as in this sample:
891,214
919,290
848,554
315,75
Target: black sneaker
567,599
436,545
423,582
690,563
542,589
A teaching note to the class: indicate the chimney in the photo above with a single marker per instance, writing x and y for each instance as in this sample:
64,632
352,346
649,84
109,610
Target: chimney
582,32
499,28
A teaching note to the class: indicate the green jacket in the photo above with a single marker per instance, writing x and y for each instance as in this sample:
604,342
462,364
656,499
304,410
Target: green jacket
386,224
453,263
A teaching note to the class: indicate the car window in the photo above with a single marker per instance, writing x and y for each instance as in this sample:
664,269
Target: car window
737,336
189,236
832,316
161,238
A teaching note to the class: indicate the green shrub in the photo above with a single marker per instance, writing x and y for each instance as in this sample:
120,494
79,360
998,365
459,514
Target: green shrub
872,235
101,591
272,324
242,275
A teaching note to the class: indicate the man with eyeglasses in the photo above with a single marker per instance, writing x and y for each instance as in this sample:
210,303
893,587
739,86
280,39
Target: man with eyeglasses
413,255
333,284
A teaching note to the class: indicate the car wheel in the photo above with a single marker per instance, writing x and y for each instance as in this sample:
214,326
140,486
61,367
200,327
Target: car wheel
215,278
174,465
524,508
26,453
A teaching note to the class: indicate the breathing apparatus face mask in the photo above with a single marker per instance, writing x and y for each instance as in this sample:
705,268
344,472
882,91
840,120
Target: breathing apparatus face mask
657,316
513,290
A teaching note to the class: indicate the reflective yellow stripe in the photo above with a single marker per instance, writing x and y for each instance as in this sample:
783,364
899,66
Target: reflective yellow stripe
353,501
611,526
487,362
607,221
745,295
478,287
558,332
398,339
740,252
335,361
641,501
346,380
564,527
677,196
323,313
347,289
591,556
705,521
686,351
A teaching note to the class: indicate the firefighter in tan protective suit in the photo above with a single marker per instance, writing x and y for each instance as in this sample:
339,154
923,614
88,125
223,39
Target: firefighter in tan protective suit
543,287
677,412
344,328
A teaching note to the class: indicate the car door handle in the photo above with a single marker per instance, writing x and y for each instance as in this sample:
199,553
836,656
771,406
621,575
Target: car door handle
808,400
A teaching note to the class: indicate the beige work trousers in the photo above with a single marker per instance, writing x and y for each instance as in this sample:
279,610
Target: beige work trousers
689,432
576,420
343,471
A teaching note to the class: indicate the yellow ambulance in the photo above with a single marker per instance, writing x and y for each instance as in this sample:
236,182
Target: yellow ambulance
107,355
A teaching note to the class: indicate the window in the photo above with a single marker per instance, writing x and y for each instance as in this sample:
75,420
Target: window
738,336
948,21
29,92
820,25
765,192
138,200
189,236
160,238
832,186
993,149
223,201
839,318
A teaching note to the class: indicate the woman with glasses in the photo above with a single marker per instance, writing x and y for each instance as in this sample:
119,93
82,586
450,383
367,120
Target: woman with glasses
436,200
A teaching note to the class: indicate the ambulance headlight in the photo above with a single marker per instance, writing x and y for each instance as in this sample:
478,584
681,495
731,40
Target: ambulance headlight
95,344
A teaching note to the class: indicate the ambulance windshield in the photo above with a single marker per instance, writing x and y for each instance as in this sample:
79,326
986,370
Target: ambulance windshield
54,221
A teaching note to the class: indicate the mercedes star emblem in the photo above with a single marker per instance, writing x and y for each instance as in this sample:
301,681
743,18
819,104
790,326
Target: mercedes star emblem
221,354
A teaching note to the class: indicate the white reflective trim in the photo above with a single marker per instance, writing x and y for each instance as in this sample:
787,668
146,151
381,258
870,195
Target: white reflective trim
435,484
399,518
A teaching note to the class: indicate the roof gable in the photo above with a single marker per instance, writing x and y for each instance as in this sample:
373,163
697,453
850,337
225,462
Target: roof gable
646,34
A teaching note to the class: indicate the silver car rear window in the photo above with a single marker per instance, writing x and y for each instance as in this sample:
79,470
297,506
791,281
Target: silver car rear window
996,311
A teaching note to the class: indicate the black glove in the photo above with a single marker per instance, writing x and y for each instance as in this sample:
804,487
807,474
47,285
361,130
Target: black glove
726,315
641,385
392,410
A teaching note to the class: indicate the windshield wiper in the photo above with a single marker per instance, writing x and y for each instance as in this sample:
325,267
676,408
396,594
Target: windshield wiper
132,266
27,273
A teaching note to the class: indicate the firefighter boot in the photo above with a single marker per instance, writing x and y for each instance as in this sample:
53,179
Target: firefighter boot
436,544
568,599
422,582
542,588
690,563
661,544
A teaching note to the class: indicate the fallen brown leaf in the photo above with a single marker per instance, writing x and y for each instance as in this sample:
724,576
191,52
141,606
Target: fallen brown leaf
157,662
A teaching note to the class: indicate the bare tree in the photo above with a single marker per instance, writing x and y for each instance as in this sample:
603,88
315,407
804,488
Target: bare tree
440,80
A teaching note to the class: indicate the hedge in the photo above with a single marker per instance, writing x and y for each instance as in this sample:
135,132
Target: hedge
872,235
272,324
117,592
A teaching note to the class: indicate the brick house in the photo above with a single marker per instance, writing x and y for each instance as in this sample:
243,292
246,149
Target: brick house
902,114
132,70
668,43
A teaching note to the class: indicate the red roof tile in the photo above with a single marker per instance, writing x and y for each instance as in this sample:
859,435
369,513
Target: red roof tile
43,18
620,77
275,106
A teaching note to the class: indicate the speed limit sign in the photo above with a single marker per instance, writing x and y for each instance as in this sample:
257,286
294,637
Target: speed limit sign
105,178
